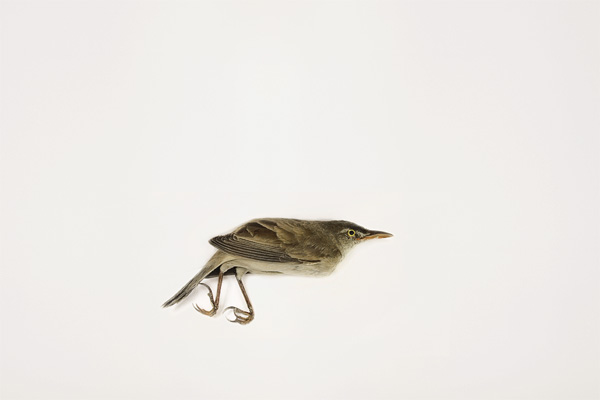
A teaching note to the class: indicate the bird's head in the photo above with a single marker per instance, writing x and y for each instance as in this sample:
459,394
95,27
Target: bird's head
348,234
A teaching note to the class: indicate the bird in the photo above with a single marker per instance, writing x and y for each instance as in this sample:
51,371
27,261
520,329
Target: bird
275,246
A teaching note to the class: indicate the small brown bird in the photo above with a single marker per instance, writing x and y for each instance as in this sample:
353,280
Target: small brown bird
275,246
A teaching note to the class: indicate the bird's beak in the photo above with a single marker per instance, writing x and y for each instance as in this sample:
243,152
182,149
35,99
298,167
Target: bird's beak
377,235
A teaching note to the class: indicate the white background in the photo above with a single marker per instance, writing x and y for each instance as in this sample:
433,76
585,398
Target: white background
133,132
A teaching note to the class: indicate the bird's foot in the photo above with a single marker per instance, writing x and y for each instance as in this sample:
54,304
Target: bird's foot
213,310
241,317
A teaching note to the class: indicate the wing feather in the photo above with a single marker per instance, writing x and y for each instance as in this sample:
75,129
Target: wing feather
253,250
276,240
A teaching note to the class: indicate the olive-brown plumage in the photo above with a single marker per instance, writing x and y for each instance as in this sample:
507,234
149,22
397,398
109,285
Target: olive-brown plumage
276,246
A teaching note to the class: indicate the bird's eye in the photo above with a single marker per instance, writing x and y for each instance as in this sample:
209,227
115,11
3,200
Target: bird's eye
351,232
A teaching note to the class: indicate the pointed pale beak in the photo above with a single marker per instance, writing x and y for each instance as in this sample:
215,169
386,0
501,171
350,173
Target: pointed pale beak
377,235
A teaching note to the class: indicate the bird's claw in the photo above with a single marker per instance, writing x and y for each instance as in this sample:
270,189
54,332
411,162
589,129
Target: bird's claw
213,310
241,317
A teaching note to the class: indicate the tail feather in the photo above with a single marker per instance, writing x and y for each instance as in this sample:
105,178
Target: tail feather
191,285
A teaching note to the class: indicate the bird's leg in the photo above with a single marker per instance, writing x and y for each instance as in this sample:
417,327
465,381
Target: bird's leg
241,316
215,304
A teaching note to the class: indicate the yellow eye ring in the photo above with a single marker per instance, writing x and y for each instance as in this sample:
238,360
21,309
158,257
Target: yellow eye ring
351,232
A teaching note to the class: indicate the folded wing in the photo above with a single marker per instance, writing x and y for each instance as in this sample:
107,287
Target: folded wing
276,240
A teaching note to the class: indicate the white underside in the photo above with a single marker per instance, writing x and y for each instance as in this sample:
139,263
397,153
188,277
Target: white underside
227,261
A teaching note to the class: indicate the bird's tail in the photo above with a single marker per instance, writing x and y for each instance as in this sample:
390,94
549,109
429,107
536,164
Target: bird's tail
191,285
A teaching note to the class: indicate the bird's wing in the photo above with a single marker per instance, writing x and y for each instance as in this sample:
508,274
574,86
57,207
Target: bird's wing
275,240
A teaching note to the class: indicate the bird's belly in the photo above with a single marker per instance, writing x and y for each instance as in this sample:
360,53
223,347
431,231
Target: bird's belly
260,267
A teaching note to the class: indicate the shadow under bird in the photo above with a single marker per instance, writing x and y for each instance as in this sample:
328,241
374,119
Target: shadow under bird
275,246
